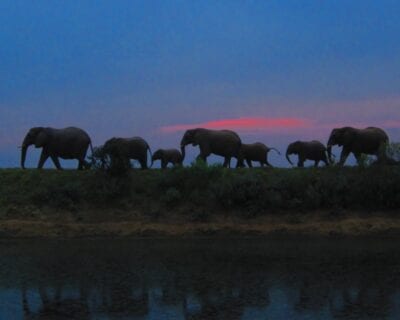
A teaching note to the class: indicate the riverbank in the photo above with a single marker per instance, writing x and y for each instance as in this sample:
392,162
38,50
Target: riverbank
200,201
310,225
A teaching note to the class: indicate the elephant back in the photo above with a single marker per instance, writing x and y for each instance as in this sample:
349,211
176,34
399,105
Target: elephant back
69,143
225,142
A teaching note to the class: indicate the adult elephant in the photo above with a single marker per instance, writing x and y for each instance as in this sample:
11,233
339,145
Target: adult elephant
126,149
255,152
307,150
167,156
67,143
225,143
370,141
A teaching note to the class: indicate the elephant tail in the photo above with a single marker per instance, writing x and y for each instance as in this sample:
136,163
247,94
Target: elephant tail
276,150
151,155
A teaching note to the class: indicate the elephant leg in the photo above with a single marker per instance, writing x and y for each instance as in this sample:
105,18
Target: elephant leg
203,157
358,158
239,164
81,165
227,162
56,162
204,153
300,163
143,163
240,160
43,157
84,164
268,164
164,164
316,163
343,156
248,161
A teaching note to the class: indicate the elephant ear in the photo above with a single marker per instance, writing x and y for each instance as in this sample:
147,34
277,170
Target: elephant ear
195,137
294,147
41,139
347,137
158,154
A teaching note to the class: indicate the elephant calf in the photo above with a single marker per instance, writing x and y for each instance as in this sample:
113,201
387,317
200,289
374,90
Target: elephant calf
307,150
255,152
168,156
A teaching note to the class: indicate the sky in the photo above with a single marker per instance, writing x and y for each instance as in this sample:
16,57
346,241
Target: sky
274,71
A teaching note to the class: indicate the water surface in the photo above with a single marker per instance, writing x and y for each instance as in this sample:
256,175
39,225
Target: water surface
200,279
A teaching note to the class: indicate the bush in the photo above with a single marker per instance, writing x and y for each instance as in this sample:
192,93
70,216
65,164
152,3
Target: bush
114,164
171,197
207,189
393,151
239,190
103,188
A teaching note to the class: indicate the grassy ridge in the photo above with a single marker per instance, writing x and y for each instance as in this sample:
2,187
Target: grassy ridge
199,191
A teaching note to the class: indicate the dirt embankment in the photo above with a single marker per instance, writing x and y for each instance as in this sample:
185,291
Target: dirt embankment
315,224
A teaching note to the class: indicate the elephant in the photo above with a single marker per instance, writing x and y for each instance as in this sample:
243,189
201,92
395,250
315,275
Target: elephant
370,140
255,152
67,143
166,156
311,150
225,143
126,149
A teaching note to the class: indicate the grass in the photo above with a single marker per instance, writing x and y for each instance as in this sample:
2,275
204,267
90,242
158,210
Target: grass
211,188
198,194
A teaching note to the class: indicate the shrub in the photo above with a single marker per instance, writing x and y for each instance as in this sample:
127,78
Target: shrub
393,151
102,188
208,189
240,190
171,197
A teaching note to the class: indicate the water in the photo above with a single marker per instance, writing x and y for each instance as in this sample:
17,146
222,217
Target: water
200,279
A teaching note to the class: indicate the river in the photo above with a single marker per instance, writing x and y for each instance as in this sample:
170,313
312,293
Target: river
255,278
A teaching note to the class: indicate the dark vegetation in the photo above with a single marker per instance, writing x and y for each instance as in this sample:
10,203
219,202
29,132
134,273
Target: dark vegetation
200,191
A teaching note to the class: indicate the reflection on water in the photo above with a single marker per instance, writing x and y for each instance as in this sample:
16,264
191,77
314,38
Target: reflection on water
200,279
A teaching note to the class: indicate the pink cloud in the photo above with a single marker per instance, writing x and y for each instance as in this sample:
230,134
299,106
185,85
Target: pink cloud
392,124
244,124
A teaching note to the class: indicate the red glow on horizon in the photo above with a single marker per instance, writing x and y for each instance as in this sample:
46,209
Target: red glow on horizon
392,124
257,124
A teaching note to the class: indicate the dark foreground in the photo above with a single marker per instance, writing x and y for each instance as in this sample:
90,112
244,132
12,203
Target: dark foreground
200,200
255,278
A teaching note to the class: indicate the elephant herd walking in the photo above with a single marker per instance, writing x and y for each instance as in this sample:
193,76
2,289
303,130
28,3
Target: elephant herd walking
73,143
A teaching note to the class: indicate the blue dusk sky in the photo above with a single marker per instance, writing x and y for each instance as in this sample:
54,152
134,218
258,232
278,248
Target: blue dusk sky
274,71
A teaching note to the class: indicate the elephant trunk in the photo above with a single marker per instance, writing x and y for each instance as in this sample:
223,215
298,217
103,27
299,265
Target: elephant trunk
288,159
183,152
276,150
151,156
24,148
329,151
